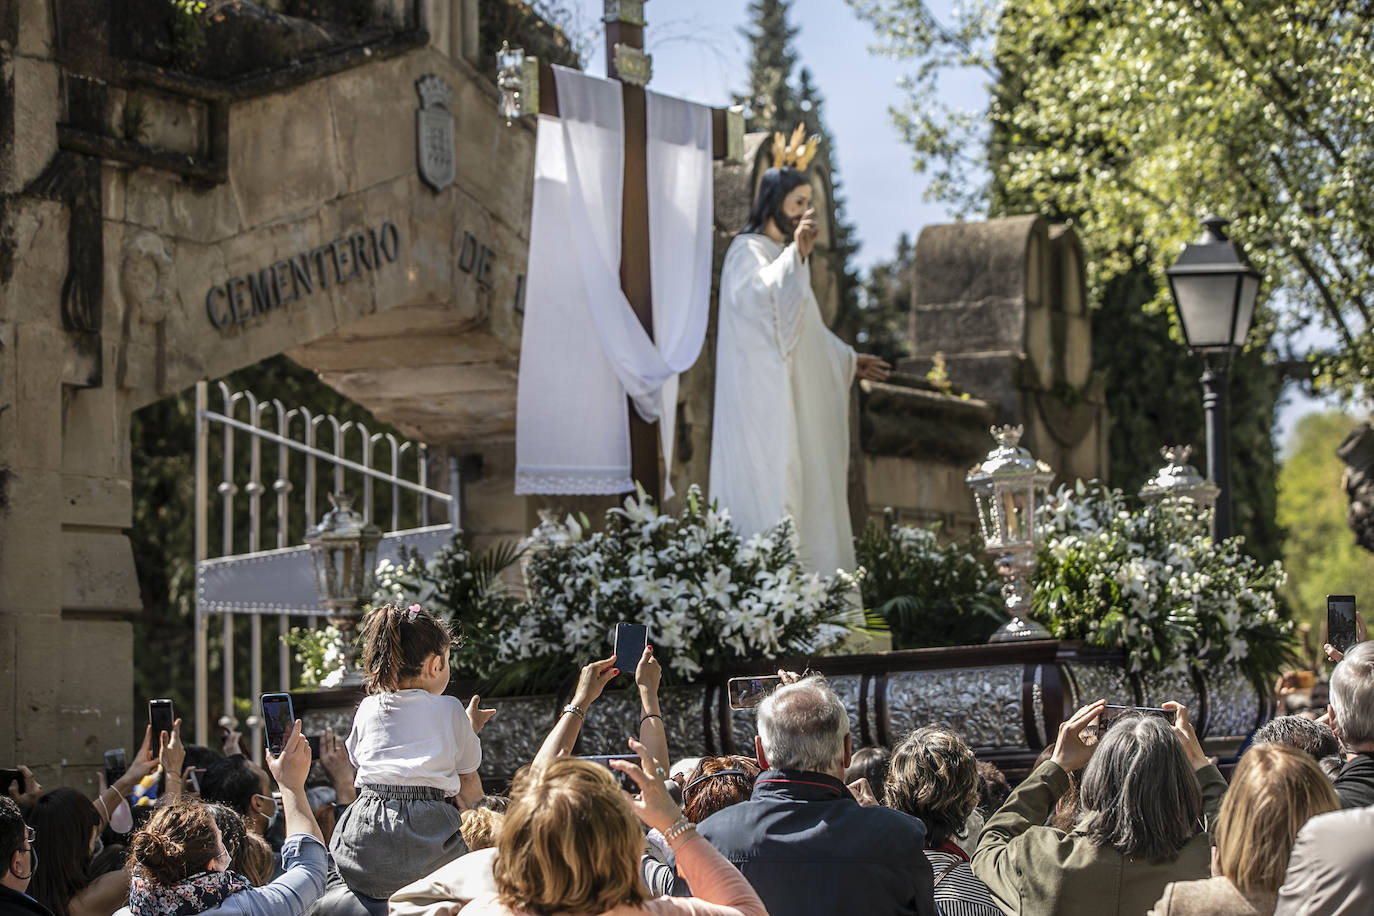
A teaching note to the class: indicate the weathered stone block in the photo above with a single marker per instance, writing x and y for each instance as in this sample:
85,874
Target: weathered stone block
95,431
98,573
971,262
91,721
9,676
105,502
37,109
273,173
374,110
30,533
38,686
38,410
34,292
35,29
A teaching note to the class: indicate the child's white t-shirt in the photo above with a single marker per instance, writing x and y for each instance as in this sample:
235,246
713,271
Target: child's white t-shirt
413,738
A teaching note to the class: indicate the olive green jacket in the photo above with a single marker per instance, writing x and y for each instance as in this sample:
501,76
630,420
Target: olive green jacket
1033,870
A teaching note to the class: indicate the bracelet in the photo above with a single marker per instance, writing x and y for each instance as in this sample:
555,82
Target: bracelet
575,710
650,715
680,827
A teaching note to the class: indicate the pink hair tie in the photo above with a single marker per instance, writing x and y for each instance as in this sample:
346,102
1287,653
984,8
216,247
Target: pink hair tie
414,611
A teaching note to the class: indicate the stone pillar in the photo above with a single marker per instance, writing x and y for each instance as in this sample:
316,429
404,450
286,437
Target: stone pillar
67,582
1004,303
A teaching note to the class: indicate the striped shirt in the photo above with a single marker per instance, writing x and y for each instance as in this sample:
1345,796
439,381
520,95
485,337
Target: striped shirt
958,892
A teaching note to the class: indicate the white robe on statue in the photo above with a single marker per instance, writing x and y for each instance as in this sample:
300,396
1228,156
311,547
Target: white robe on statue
780,438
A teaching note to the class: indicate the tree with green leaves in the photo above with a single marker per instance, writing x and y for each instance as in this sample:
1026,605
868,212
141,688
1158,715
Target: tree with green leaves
1138,118
1092,120
770,103
1320,552
885,304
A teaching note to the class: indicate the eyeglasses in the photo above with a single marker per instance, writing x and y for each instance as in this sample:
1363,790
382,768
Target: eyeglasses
30,834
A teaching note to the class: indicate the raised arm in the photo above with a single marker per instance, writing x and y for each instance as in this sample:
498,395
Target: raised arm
653,732
717,886
772,288
290,769
1029,806
590,683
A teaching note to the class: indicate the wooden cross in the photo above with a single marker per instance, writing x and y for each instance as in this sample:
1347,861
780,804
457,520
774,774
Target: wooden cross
627,62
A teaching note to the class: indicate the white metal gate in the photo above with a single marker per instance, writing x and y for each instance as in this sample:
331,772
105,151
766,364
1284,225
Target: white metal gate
259,572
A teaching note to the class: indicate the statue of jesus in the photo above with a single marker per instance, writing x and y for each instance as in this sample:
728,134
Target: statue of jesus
780,440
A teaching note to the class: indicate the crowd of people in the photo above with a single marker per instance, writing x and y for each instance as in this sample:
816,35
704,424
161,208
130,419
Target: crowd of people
1126,817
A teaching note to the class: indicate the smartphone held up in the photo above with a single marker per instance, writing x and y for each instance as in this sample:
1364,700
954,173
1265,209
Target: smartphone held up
630,640
278,717
749,692
1342,631
161,716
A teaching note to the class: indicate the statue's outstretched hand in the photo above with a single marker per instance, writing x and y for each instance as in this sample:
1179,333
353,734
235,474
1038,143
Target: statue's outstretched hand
873,368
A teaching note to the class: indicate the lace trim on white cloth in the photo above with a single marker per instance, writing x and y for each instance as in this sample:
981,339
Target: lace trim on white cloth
573,481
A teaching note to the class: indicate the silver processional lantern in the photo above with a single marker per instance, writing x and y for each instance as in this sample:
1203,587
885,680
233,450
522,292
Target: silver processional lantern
1009,487
1179,486
343,547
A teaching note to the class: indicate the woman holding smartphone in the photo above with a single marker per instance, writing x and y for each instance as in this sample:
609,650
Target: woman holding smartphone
181,866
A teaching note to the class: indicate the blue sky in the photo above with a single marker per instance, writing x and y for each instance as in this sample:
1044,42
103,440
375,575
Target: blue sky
699,54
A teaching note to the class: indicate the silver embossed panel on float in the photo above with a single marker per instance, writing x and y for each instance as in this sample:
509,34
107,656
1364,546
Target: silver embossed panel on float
512,737
1181,688
744,722
611,720
982,704
1233,704
1089,682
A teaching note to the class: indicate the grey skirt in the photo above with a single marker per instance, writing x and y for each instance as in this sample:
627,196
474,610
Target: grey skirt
392,835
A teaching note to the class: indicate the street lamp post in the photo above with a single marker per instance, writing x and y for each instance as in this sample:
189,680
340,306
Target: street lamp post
1214,290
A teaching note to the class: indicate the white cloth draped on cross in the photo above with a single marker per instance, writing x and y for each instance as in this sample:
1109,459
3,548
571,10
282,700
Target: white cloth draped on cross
583,349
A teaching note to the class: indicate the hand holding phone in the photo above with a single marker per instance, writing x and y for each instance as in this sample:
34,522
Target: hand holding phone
1341,631
278,717
11,783
630,640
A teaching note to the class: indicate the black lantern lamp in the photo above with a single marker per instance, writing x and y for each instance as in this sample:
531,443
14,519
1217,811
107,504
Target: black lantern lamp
1214,290
344,549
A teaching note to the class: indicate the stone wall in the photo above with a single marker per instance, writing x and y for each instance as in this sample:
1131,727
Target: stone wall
106,265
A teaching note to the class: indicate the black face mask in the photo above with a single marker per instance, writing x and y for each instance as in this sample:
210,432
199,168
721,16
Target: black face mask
787,225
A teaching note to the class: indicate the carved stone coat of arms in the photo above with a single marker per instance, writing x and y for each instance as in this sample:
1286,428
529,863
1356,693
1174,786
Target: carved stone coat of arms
434,132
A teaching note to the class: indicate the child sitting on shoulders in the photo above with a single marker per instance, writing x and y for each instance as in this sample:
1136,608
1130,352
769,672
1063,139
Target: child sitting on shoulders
415,750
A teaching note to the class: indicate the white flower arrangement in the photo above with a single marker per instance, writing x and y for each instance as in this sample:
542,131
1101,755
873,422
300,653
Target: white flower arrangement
1150,581
709,598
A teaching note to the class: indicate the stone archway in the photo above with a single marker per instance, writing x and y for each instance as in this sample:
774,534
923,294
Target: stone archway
322,242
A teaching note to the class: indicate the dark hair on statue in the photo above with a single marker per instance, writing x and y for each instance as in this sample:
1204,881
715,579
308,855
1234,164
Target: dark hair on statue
777,183
177,842
63,821
396,642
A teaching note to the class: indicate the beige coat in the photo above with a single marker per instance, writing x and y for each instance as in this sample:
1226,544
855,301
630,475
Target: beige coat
1034,870
1212,897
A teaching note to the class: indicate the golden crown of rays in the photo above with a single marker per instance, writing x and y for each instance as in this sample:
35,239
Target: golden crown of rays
796,152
